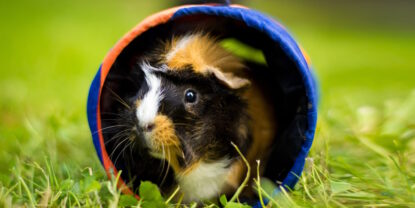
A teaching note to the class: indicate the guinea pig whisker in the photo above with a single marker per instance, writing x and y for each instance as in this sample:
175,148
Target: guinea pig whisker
118,145
161,107
165,175
119,99
182,124
112,114
164,156
163,166
109,127
117,135
171,112
162,162
121,119
116,138
122,151
167,170
119,154
131,150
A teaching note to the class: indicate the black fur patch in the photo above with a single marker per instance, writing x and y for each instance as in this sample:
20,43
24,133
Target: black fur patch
207,127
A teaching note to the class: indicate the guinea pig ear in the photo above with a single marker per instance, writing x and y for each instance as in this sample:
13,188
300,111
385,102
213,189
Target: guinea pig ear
230,79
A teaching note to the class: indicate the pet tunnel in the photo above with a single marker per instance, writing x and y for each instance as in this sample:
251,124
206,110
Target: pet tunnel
292,84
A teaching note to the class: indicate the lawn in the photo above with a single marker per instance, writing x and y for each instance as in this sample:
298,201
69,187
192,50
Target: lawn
362,53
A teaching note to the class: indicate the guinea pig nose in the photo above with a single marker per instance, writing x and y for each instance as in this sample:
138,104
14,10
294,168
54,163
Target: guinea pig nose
148,127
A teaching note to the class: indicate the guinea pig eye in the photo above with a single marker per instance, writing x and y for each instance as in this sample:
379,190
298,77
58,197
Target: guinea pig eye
190,96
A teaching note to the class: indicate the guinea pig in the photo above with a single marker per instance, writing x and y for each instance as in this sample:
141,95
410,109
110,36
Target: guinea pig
195,101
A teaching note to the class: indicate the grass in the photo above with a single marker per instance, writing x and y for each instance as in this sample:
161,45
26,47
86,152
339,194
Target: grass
364,150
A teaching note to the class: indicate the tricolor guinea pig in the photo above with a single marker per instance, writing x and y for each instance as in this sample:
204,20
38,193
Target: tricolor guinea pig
193,103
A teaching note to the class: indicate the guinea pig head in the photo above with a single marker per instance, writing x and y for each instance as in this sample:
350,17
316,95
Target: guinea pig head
191,110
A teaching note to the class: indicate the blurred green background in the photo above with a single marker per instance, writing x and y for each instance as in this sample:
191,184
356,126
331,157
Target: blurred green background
362,53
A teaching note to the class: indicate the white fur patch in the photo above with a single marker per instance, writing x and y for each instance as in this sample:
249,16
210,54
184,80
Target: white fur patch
179,45
204,182
149,105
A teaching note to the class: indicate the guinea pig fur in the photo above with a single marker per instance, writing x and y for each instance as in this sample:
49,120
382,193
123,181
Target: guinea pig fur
192,105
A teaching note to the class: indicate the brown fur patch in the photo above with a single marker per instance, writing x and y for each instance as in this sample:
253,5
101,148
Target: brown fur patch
165,139
204,55
264,123
164,133
264,127
200,51
236,175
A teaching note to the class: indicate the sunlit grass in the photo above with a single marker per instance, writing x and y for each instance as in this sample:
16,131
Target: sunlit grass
362,157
